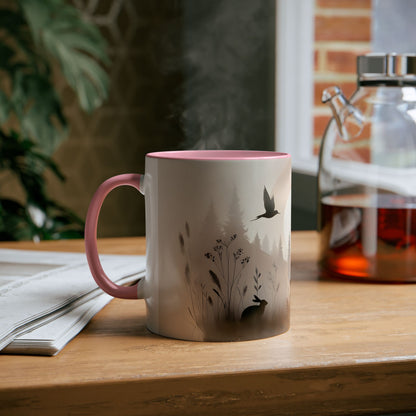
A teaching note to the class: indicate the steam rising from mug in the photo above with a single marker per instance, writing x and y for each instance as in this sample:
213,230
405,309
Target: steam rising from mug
228,63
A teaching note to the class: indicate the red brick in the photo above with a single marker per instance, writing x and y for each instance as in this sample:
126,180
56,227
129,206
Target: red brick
319,125
342,62
353,151
350,151
356,148
347,87
344,4
344,28
365,133
316,54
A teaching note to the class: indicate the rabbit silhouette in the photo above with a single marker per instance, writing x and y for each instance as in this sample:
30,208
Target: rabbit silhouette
254,311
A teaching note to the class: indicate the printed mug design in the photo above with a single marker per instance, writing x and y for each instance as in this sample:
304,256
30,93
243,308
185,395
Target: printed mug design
235,286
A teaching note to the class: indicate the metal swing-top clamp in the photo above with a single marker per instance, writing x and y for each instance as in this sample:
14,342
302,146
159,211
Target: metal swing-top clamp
386,69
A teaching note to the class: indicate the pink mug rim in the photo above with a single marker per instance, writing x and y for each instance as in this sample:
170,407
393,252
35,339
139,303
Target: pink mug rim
217,155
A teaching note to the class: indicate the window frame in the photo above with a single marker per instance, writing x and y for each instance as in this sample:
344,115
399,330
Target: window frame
294,83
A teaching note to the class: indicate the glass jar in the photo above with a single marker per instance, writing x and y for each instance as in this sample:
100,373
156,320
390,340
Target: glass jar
367,174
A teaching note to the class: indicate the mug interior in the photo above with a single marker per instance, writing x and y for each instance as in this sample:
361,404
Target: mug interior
218,155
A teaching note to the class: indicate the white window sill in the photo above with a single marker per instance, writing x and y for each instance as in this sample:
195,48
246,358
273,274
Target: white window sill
305,166
294,83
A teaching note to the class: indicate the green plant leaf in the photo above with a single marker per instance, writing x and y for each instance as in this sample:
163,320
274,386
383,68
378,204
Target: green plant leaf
41,217
88,79
11,21
21,157
13,221
4,107
38,109
75,43
17,37
34,34
6,55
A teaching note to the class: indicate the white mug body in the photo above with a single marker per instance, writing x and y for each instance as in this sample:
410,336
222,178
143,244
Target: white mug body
218,244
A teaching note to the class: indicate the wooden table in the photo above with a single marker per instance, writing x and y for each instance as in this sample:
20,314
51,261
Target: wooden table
351,349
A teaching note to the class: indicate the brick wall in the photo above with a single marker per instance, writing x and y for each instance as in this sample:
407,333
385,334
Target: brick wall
342,32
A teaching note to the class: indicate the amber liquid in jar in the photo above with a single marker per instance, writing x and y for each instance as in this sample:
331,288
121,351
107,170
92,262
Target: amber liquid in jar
370,238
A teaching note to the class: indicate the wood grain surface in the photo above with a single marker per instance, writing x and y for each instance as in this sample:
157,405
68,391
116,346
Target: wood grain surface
351,349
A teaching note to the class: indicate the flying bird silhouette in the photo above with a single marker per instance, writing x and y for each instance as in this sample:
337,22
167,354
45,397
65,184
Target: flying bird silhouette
271,211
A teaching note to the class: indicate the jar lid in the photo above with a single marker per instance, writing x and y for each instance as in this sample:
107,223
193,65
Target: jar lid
386,67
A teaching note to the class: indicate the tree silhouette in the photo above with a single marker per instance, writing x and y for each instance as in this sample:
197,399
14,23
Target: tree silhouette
224,271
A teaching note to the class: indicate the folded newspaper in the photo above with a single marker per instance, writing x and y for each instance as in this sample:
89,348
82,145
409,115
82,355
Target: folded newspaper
46,298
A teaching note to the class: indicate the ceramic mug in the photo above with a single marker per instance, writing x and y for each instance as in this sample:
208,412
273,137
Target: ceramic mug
218,243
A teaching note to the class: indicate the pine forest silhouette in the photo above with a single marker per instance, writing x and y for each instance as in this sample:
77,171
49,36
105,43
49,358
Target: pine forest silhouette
234,285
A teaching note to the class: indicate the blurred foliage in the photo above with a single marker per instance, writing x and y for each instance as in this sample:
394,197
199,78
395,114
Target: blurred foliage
38,37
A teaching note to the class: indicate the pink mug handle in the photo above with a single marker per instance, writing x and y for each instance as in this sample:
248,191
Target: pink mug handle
91,222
